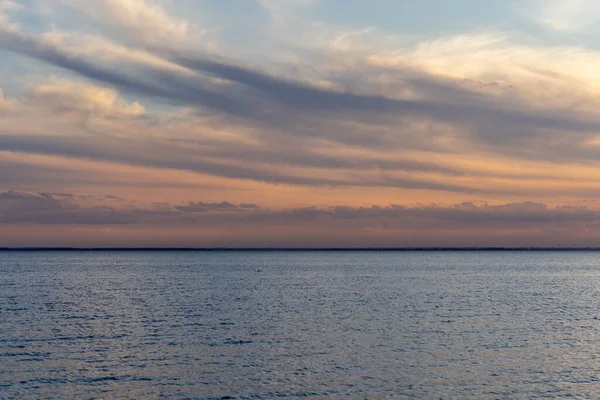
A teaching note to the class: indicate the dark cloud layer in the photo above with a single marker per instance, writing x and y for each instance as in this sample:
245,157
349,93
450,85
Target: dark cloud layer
47,208
62,208
196,207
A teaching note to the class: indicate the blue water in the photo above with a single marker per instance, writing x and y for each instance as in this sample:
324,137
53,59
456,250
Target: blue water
322,325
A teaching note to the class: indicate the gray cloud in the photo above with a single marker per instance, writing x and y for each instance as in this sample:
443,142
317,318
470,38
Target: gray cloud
230,162
27,176
275,101
206,207
290,119
191,91
47,208
143,153
296,95
461,216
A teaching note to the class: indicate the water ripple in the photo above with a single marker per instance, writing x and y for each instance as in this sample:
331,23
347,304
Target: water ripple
306,325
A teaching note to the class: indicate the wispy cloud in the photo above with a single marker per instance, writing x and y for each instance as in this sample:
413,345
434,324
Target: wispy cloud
485,114
565,15
140,20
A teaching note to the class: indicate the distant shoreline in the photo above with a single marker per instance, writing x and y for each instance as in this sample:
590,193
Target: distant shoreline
292,249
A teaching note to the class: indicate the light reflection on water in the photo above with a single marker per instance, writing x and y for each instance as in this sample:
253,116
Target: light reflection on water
299,324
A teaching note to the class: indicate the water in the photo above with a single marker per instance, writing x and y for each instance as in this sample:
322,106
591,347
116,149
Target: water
331,325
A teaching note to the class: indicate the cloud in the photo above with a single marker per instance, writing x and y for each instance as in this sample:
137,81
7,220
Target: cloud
140,20
566,15
136,152
7,6
47,208
470,114
62,95
474,109
65,209
272,92
91,122
206,207
4,103
56,217
463,215
300,108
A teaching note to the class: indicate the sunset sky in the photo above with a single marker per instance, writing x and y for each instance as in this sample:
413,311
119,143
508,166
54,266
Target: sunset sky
299,123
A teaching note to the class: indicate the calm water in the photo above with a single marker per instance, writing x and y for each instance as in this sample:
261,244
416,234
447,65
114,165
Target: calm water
337,325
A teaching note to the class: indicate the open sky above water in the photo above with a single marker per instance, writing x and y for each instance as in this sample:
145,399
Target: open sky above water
325,123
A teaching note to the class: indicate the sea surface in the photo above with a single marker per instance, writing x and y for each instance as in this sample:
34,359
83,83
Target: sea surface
321,325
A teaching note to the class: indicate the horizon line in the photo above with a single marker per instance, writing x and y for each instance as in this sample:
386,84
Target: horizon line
283,249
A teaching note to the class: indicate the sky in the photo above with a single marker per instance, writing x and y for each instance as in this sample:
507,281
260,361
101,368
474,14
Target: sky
299,123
